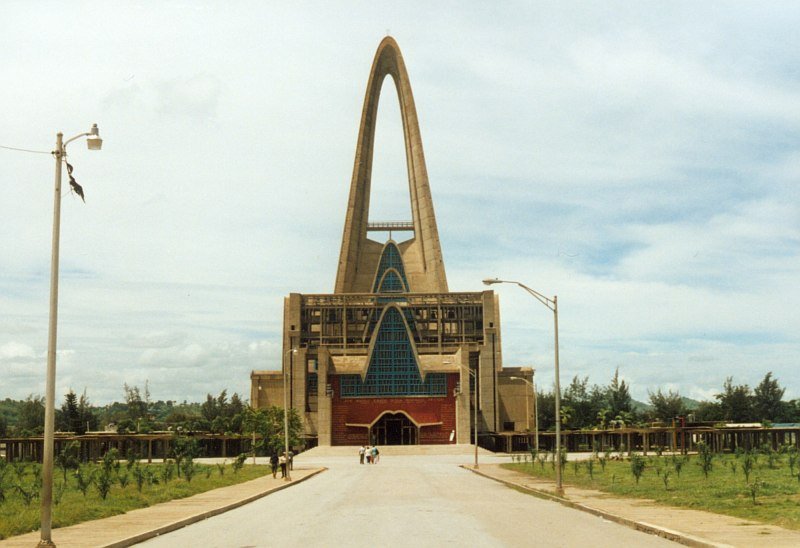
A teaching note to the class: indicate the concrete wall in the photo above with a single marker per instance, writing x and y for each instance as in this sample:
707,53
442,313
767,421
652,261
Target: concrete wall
516,399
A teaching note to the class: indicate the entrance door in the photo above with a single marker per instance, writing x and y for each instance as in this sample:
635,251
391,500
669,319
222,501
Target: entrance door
394,429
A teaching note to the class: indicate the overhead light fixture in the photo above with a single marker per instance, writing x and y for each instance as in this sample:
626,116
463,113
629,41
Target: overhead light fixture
93,140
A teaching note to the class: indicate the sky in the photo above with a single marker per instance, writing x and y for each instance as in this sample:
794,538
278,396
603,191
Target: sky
640,160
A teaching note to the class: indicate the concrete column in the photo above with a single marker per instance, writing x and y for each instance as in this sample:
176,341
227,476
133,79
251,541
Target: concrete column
488,382
463,414
323,400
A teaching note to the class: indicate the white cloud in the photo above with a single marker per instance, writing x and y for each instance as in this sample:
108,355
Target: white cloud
642,166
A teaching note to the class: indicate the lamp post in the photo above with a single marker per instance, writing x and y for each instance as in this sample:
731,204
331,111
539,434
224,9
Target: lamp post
535,408
94,142
552,304
291,351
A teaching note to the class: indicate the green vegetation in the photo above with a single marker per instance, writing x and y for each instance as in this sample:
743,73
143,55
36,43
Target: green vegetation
93,491
766,490
219,414
585,406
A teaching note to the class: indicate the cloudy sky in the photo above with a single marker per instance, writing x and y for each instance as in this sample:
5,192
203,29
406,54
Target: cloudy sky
640,160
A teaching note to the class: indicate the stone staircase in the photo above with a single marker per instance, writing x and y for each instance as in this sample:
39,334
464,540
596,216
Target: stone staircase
397,450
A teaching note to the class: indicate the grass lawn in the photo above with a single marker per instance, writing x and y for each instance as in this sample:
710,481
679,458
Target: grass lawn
680,481
18,483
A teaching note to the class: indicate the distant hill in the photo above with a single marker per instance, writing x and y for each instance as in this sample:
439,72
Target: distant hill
689,403
642,407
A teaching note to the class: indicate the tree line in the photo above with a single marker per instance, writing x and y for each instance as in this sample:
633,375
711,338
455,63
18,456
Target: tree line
585,406
220,414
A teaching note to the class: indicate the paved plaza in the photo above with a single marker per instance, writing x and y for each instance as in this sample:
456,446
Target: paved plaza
415,496
404,500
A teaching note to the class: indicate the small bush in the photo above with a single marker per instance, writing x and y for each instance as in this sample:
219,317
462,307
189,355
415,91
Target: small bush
188,468
637,467
748,462
84,478
239,463
103,483
706,458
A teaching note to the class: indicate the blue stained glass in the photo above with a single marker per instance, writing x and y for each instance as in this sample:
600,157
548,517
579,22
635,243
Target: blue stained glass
392,369
391,283
390,259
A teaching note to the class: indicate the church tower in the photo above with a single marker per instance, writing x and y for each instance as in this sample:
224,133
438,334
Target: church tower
391,357
361,257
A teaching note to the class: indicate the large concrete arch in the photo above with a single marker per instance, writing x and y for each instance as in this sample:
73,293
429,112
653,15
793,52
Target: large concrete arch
422,255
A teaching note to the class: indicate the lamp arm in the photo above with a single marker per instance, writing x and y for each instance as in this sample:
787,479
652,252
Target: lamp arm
548,302
68,141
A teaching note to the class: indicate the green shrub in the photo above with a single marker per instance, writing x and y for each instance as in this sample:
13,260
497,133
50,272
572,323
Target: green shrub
637,467
706,458
84,478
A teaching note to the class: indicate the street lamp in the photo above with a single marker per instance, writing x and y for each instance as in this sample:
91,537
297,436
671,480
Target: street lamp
94,142
292,351
535,408
552,304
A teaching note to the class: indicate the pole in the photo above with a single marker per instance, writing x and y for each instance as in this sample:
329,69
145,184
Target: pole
527,413
50,389
286,421
559,485
552,304
475,374
535,412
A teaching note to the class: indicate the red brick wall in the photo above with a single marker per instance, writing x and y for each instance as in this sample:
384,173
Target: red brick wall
365,410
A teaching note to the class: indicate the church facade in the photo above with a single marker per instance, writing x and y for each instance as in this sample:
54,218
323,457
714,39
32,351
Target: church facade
392,356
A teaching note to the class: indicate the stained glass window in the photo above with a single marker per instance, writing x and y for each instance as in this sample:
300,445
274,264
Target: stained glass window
392,369
390,259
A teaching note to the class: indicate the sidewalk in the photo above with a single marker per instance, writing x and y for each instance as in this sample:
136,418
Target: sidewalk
139,525
689,527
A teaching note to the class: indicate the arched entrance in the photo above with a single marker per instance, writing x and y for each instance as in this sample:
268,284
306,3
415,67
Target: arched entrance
394,429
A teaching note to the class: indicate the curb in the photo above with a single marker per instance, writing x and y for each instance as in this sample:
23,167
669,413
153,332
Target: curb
649,528
168,528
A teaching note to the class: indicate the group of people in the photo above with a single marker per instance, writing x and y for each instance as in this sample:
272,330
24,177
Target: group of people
370,453
282,461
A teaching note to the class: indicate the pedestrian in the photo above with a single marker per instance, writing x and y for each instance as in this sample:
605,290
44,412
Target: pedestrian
368,454
291,460
361,454
375,455
282,461
273,462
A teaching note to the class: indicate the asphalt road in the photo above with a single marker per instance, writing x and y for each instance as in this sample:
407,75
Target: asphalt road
414,501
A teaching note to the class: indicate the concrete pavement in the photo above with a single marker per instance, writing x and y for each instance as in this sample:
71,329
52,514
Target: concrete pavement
408,499
422,486
689,527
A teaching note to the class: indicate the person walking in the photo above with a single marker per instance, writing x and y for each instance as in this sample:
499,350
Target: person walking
375,455
273,462
368,454
361,454
282,462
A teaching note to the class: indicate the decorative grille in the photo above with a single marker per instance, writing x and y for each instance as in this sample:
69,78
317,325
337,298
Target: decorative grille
392,369
391,283
390,258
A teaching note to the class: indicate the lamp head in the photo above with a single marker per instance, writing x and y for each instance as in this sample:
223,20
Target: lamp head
490,281
93,141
